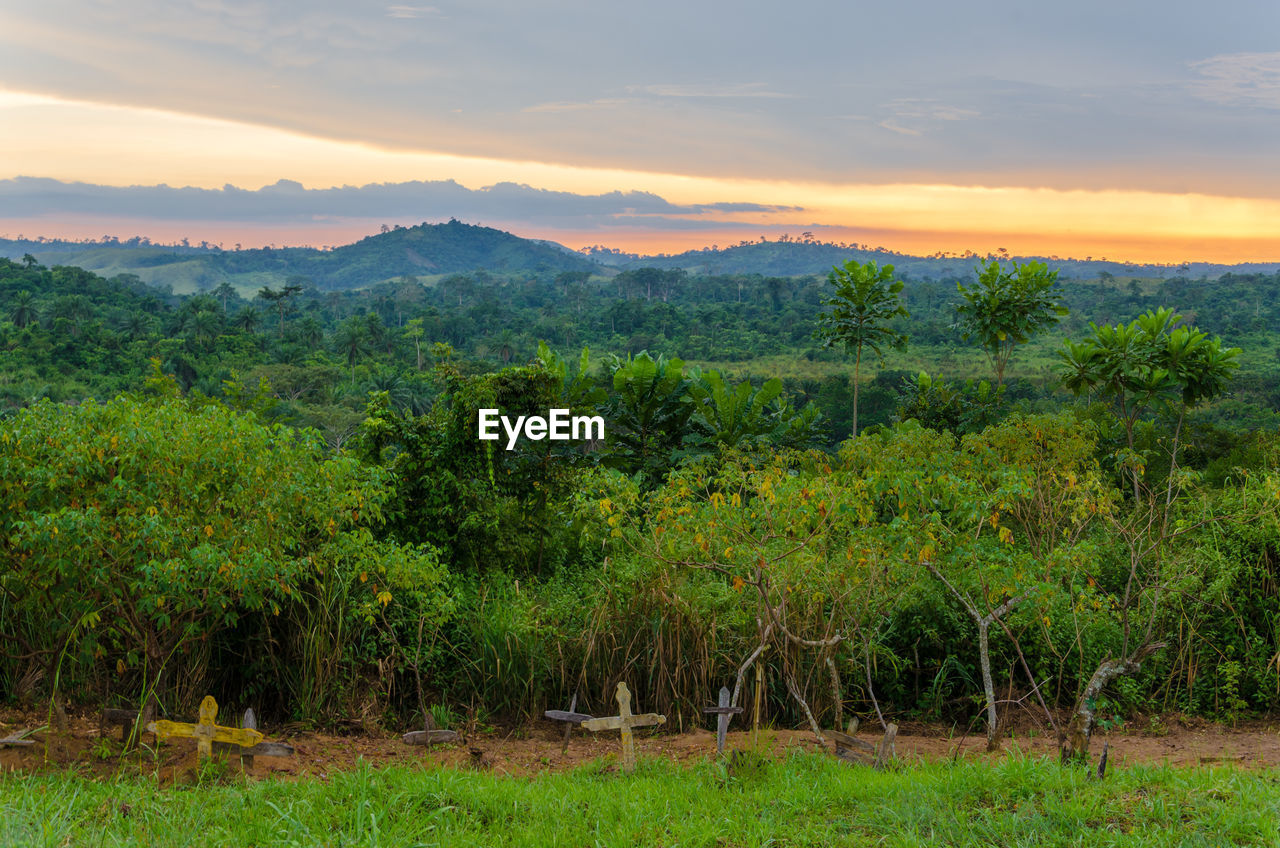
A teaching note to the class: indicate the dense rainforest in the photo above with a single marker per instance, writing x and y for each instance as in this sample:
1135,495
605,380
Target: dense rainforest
1062,495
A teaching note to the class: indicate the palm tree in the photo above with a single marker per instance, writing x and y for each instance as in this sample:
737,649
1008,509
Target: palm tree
75,309
224,290
134,324
247,319
206,326
280,299
352,341
309,331
24,310
398,390
506,346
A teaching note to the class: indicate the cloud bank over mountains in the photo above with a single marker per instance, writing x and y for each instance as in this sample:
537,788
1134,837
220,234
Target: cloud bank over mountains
287,201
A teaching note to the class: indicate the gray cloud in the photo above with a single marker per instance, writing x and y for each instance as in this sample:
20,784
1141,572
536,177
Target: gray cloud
289,202
1244,79
1155,94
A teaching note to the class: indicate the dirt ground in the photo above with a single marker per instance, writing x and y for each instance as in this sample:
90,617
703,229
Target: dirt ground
537,748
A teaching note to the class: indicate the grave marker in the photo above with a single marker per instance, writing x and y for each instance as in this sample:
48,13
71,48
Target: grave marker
854,750
262,749
569,717
624,721
206,731
724,714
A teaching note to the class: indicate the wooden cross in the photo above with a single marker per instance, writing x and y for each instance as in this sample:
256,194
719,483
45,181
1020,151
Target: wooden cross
624,721
724,714
262,749
205,731
854,750
570,718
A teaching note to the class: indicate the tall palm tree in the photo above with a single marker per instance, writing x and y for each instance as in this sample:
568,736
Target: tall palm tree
224,291
24,310
352,341
206,326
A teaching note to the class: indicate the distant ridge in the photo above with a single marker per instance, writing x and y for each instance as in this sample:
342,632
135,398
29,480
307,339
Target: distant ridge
432,250
422,250
797,258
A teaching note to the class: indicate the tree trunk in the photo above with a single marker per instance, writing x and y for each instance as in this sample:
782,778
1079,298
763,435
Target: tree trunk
988,686
857,381
1080,730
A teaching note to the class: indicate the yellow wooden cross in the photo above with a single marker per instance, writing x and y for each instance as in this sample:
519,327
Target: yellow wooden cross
624,721
205,731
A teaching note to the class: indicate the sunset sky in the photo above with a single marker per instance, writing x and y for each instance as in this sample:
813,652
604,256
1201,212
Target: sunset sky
1138,130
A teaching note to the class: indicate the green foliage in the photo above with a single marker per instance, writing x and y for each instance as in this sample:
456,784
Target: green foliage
138,528
860,314
939,405
742,415
1005,308
648,414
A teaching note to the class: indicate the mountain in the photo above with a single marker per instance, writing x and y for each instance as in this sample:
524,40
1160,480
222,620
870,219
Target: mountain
437,250
423,250
800,258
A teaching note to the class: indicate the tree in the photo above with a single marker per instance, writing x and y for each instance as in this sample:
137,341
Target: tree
224,291
648,413
414,331
247,319
738,416
135,528
24,310
1147,366
1005,308
280,299
1150,364
352,341
864,304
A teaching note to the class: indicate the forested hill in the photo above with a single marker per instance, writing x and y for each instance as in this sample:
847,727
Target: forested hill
423,250
437,250
787,257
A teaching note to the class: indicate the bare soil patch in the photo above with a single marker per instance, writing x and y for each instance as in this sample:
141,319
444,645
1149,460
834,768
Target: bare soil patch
536,749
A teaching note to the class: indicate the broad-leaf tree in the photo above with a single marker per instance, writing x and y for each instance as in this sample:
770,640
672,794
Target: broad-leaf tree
1150,366
1006,307
860,315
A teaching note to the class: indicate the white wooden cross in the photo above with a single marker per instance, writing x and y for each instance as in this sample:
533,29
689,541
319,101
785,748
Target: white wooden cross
624,721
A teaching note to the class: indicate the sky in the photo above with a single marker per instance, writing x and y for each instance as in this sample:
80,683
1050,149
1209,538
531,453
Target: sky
1135,130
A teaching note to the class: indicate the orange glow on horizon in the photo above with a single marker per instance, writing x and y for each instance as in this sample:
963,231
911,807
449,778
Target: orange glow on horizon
647,242
137,146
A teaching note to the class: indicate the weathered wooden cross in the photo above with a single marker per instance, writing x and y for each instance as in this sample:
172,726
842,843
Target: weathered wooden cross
854,750
624,721
724,714
262,749
570,718
206,731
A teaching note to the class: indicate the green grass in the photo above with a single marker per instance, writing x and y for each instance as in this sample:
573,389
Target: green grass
804,800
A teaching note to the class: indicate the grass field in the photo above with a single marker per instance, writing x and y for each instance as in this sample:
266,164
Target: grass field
805,799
